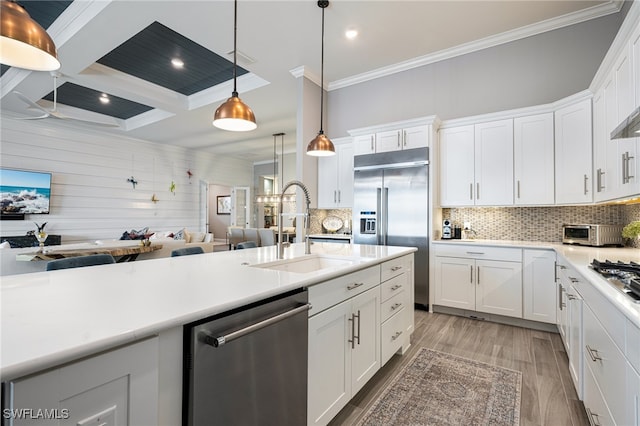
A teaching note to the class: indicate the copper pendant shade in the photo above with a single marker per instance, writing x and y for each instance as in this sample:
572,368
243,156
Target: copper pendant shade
321,146
234,115
23,42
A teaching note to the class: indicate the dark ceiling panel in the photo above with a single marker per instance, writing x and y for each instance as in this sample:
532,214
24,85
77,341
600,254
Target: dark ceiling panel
148,54
44,13
81,97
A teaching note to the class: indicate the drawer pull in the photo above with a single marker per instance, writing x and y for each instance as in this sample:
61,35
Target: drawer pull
396,306
396,268
475,252
593,354
592,418
395,287
354,285
395,336
574,280
571,296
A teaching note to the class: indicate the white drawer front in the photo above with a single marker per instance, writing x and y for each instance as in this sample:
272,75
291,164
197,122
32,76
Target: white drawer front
393,305
475,251
393,267
332,292
633,345
603,358
393,286
594,404
393,333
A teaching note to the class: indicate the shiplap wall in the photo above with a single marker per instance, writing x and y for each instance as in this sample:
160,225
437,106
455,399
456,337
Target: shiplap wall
90,196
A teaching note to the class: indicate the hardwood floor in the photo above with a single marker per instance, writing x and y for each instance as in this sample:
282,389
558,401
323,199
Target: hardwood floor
548,396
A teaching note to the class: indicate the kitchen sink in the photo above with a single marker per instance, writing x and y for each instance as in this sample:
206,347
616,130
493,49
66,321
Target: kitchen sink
307,264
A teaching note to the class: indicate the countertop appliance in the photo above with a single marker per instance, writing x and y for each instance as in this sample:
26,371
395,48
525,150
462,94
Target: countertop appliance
390,207
623,276
248,366
592,235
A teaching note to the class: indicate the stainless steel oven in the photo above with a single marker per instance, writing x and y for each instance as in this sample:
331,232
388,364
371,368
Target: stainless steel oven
592,235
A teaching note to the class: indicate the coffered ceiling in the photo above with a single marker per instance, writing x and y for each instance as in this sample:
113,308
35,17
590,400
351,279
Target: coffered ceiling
122,50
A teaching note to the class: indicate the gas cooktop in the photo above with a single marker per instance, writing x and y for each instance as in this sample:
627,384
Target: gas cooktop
624,276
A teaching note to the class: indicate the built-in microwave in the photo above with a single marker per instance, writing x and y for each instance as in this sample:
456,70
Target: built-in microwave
592,235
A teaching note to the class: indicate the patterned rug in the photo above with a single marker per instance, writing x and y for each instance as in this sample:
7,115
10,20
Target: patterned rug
437,388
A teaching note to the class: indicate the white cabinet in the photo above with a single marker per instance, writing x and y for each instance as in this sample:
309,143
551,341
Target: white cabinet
573,153
364,144
571,323
539,285
344,341
494,163
533,146
396,306
562,312
632,397
483,279
457,166
116,387
477,164
396,140
335,177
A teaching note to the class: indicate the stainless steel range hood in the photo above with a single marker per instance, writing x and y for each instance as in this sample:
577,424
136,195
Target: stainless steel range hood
629,128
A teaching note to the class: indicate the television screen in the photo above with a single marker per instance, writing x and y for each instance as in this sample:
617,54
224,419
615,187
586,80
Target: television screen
24,192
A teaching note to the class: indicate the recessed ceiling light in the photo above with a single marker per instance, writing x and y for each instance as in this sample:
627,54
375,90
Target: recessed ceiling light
177,63
104,98
351,34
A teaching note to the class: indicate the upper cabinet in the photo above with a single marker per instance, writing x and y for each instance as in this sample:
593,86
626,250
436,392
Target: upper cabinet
533,160
335,177
477,164
573,153
396,136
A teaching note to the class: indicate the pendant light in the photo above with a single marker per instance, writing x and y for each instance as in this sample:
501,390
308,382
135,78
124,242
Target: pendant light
234,115
23,42
321,146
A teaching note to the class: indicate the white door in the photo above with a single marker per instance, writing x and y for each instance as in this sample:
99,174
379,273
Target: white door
240,204
533,159
365,355
203,220
539,286
499,287
494,163
415,137
455,282
456,162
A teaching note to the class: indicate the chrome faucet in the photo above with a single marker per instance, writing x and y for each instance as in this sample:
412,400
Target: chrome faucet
281,244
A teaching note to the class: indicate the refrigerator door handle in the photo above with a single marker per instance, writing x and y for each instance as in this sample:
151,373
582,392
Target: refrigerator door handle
378,216
385,216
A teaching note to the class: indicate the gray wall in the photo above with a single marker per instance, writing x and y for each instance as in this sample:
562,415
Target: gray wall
532,71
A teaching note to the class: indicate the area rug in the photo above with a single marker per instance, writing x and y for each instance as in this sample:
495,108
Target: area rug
436,388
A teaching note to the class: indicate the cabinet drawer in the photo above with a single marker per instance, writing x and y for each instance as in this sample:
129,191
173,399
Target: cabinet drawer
475,251
594,403
393,267
392,334
632,350
332,292
393,305
395,285
607,364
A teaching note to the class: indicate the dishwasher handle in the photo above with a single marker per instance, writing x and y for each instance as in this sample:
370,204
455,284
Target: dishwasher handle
216,342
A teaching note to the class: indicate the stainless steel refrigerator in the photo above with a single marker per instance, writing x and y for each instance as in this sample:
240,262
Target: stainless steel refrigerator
391,207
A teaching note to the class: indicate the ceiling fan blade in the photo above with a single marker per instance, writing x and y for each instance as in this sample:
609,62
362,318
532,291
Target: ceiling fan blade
40,117
60,116
28,101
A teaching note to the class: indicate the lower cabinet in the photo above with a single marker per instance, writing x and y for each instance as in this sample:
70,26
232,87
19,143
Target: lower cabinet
344,353
482,279
575,337
119,387
539,293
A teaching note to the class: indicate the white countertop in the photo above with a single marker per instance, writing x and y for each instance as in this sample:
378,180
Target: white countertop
48,318
332,236
579,257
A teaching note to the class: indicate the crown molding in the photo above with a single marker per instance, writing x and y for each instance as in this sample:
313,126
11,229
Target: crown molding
593,12
420,121
303,71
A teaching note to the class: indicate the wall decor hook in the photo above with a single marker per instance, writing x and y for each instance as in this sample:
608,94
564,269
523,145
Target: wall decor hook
132,181
154,198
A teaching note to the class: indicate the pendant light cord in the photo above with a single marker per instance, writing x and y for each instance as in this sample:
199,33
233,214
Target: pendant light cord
322,71
235,43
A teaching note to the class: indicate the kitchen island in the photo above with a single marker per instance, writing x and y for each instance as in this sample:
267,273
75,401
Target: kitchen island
53,318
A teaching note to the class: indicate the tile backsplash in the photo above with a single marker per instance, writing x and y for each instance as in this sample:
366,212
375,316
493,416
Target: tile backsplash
318,215
537,223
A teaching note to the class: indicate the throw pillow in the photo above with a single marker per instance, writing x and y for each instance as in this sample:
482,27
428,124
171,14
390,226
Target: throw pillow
180,235
197,237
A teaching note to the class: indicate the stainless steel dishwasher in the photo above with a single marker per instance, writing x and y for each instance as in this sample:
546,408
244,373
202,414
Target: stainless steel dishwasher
248,366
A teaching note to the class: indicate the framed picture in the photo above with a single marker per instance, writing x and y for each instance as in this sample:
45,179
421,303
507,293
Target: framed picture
224,204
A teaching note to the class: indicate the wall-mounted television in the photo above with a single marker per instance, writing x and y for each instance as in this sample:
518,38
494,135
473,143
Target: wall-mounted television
24,192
